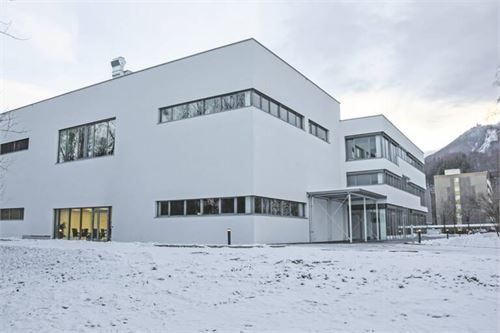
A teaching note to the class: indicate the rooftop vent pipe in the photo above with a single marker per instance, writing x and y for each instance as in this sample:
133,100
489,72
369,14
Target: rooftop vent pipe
118,67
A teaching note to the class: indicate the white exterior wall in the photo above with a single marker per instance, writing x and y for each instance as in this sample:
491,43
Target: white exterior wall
224,154
234,153
375,124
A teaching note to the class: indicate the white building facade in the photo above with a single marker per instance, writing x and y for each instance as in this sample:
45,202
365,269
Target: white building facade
232,138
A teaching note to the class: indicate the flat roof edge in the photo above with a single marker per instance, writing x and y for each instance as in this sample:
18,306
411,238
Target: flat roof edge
172,61
391,123
347,191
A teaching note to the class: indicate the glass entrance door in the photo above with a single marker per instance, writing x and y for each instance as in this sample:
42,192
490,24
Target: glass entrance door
100,230
90,223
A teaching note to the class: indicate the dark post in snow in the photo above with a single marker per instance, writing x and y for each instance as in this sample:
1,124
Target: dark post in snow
419,234
228,236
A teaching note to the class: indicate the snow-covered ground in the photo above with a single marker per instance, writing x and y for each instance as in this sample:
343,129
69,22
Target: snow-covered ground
438,286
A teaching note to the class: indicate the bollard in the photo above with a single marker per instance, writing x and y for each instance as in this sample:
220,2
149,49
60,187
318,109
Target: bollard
228,236
447,235
419,233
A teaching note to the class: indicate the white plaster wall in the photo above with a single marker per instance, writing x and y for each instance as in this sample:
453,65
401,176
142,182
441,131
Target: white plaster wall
381,124
320,221
270,229
238,152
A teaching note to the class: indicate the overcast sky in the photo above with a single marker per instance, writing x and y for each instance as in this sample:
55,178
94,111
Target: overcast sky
429,66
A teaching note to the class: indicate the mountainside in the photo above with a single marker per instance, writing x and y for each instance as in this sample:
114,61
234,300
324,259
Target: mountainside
477,149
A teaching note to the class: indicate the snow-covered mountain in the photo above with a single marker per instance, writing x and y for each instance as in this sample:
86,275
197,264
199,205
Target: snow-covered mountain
477,149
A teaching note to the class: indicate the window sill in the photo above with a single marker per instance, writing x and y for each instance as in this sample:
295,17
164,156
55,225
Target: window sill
85,159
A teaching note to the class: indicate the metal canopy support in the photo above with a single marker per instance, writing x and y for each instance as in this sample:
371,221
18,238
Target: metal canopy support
364,220
311,203
350,219
376,217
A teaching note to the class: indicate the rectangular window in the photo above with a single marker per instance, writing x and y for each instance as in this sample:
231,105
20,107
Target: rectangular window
231,205
227,205
86,223
165,115
85,141
193,207
365,178
294,208
13,146
241,205
211,206
213,105
163,208
258,205
273,109
286,208
264,104
195,109
256,99
7,214
275,207
180,112
318,130
283,114
176,207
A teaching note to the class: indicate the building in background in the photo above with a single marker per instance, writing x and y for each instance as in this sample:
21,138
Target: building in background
459,197
231,138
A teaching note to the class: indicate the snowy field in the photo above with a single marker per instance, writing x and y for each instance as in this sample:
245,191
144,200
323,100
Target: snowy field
438,286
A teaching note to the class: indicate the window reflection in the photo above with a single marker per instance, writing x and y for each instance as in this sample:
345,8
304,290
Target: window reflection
90,140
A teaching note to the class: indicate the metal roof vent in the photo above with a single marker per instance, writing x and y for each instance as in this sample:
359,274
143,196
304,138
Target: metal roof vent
118,64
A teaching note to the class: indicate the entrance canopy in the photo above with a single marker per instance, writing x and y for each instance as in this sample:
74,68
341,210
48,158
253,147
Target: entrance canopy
348,195
341,194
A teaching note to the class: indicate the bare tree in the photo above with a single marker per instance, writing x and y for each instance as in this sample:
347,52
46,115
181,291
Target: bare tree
491,208
5,31
447,213
470,207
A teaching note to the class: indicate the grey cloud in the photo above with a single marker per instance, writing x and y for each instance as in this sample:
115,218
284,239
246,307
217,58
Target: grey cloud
440,50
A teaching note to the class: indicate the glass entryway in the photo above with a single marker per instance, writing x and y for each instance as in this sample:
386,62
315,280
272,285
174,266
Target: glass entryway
89,223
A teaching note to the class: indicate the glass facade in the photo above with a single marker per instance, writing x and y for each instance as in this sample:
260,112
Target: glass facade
87,141
232,101
377,177
90,223
231,205
378,146
393,221
13,146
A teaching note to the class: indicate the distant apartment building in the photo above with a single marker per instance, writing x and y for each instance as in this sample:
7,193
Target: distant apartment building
459,195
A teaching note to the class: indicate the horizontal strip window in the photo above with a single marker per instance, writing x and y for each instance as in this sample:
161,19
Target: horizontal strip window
274,108
365,178
231,101
87,141
7,214
206,106
380,145
230,205
377,177
13,146
277,207
318,130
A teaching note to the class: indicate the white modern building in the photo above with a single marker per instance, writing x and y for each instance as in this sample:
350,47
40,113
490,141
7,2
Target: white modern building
231,138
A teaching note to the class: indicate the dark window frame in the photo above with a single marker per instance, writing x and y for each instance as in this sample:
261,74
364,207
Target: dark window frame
6,214
84,144
17,145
